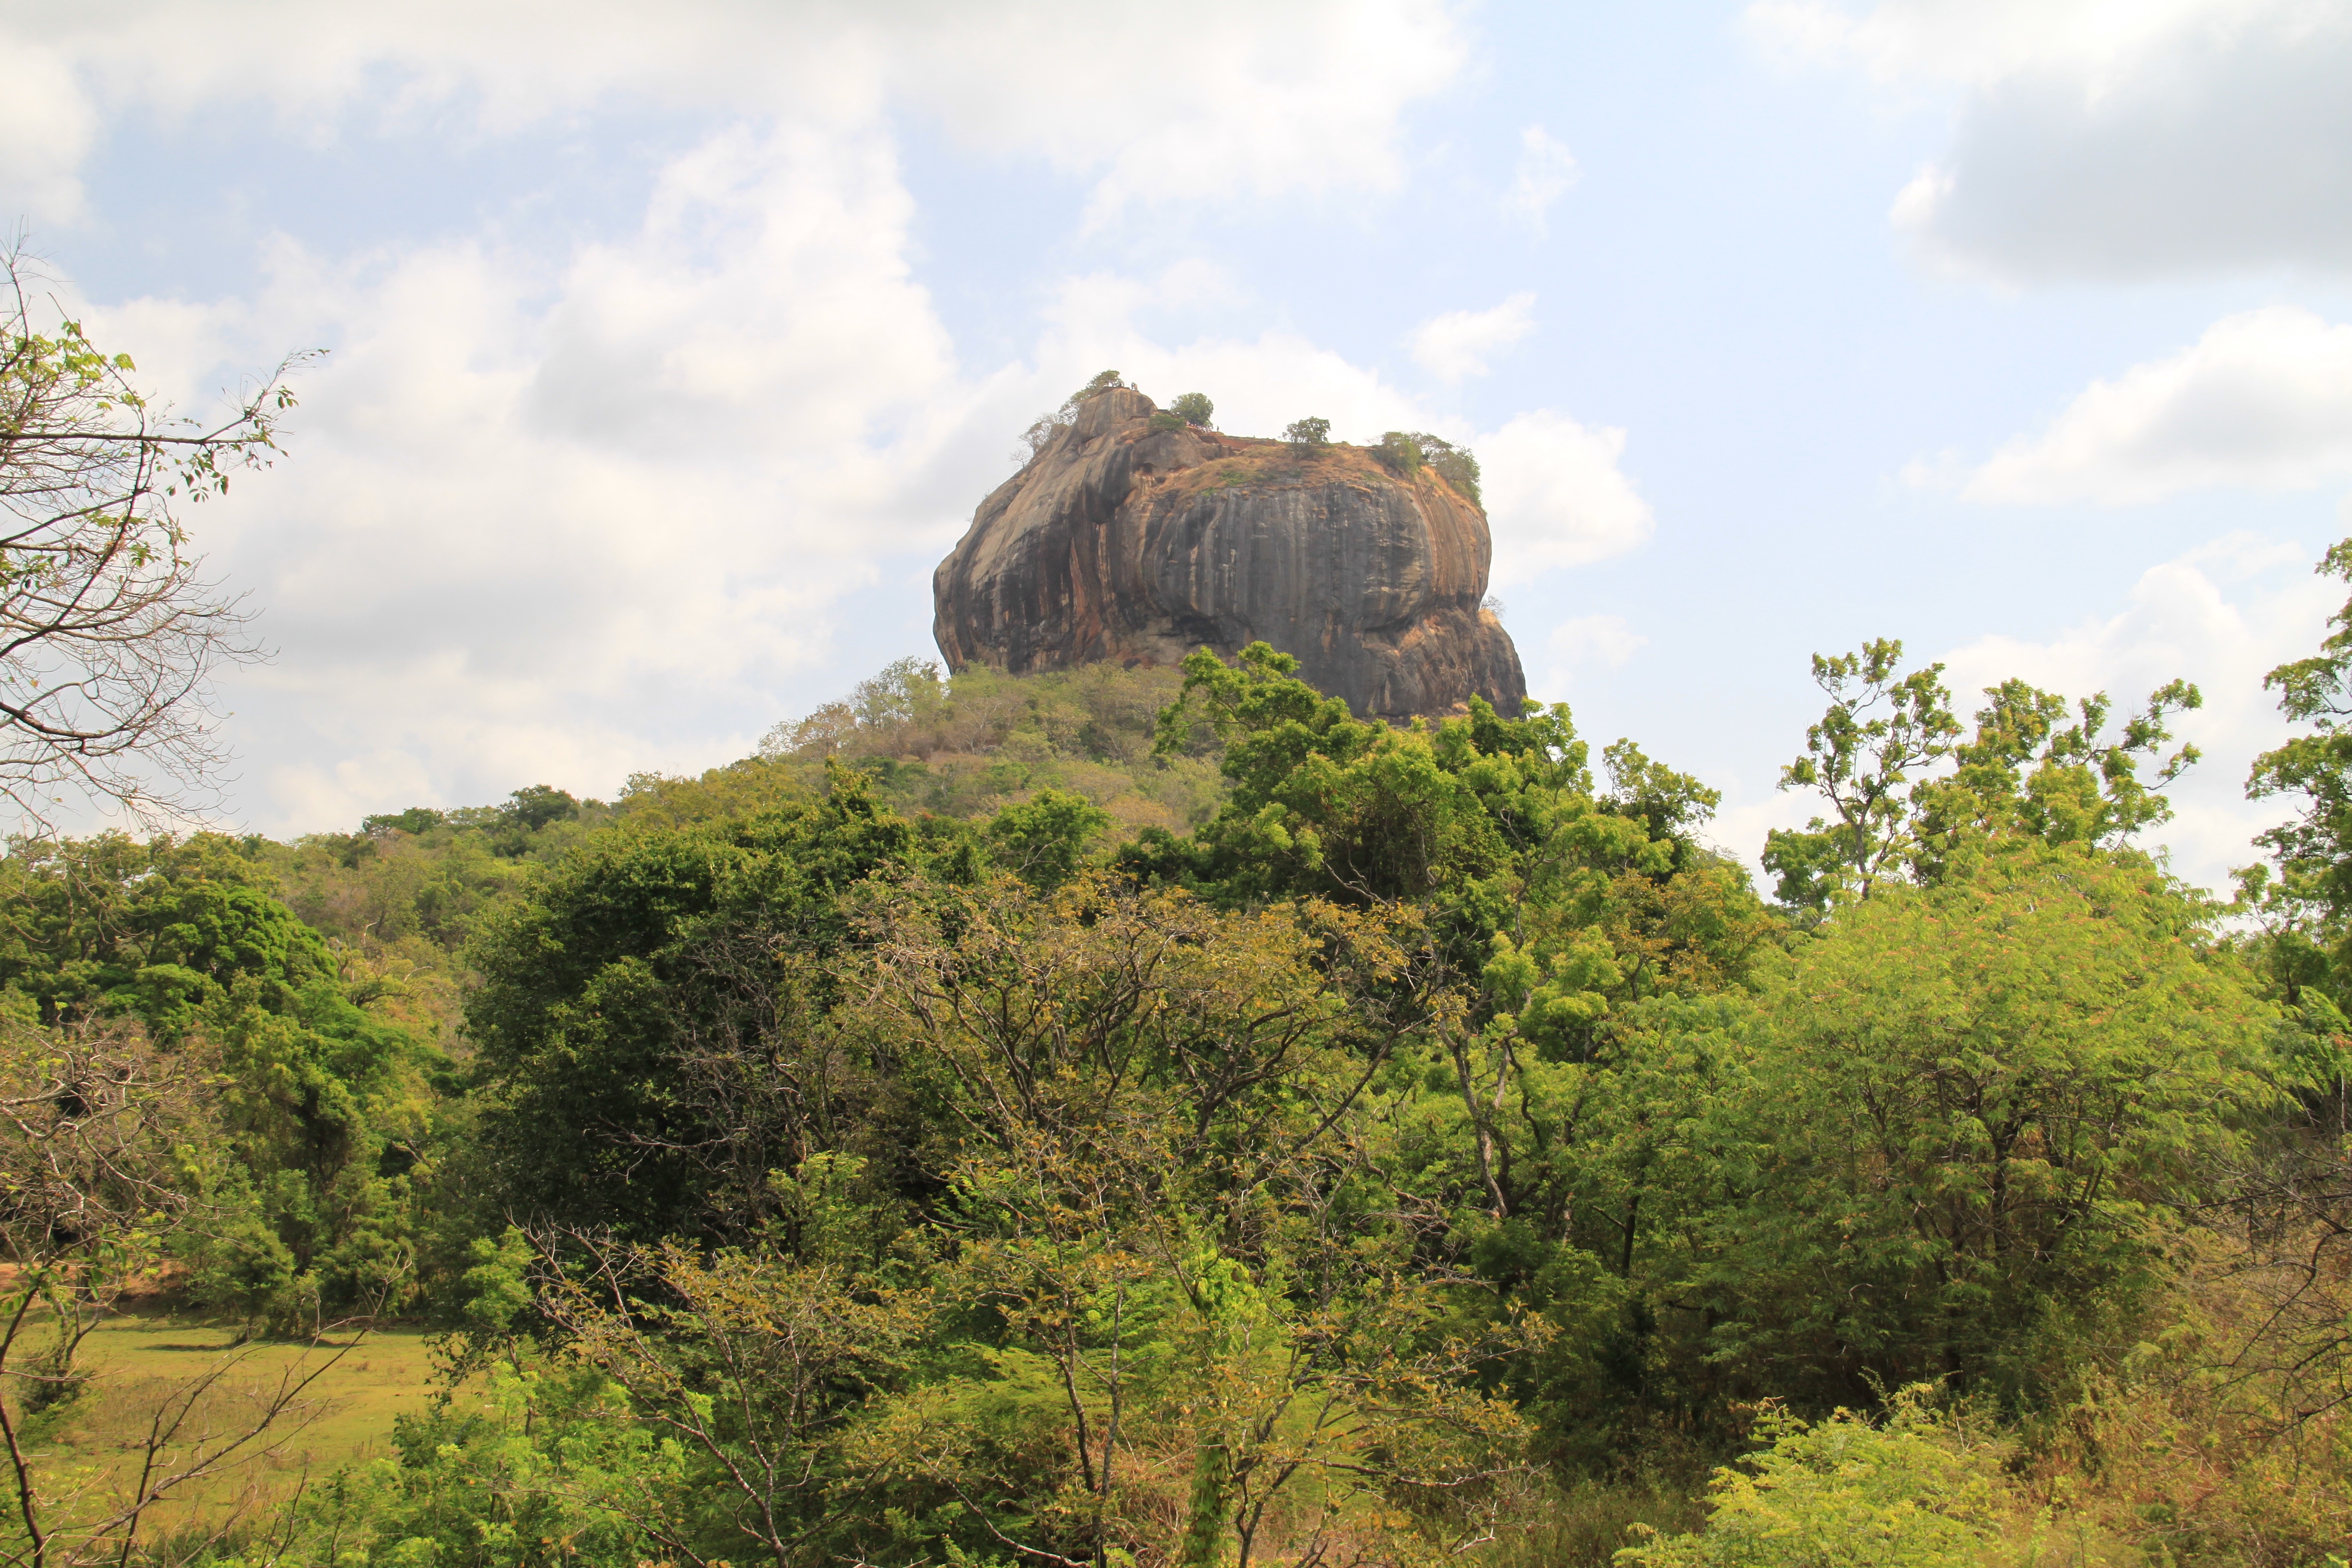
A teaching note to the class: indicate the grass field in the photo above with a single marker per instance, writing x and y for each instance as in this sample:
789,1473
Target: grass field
90,1452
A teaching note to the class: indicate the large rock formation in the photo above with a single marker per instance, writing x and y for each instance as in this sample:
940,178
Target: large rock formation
1125,542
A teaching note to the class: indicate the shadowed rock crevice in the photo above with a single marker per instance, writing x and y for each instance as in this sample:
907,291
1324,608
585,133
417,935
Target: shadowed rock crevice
1122,543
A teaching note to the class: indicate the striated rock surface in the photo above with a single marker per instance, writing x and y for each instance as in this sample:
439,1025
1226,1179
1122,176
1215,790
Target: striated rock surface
1121,543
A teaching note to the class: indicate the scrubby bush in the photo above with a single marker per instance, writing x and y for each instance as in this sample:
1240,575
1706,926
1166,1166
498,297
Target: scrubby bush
1399,452
1310,434
1922,1490
968,746
1046,426
1454,464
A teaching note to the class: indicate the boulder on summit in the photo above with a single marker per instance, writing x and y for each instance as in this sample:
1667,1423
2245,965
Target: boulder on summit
1123,540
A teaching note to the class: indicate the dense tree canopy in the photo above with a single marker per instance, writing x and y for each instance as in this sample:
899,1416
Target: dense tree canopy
920,1142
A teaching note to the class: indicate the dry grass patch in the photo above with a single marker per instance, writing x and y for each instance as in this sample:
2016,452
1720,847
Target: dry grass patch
153,1369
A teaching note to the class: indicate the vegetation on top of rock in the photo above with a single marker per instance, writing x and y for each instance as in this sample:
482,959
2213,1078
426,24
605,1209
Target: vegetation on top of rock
1399,451
1047,426
1454,464
1310,434
1406,452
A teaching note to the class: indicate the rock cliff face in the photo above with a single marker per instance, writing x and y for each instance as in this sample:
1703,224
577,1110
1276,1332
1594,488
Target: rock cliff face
1121,543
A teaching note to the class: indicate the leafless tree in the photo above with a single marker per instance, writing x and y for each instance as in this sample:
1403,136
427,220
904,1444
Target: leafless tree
94,1127
111,634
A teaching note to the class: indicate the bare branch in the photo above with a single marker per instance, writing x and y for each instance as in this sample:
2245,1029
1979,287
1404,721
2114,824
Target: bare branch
110,635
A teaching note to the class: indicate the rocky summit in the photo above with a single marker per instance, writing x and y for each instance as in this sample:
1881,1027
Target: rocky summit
1128,540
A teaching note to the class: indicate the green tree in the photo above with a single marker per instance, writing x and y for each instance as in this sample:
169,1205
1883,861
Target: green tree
112,1158
1151,1120
1881,728
1560,912
1918,1490
538,1462
415,820
2029,776
1308,434
328,1106
640,1014
1044,840
1953,1138
749,1370
536,805
2025,776
1194,408
1047,426
2305,904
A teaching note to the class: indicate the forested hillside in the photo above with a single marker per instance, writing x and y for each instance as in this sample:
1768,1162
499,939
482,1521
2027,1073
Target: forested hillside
1157,1117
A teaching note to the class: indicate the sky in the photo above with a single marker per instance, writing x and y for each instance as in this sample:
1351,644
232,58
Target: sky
667,349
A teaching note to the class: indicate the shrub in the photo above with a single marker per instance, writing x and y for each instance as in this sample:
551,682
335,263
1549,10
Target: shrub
1165,421
1399,452
1970,1109
1921,1491
1046,426
1041,430
1193,408
1454,464
1310,434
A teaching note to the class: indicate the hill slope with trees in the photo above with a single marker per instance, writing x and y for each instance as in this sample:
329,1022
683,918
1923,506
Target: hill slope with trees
1163,1117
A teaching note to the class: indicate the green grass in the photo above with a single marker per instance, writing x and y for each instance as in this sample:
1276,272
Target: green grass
87,1454
1585,1524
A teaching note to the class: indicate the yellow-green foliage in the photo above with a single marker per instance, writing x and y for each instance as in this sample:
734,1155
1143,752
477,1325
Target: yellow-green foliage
965,746
1433,1153
398,899
1922,1489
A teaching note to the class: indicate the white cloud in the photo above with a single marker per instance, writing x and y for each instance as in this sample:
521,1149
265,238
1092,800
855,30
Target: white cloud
1981,43
2263,399
1580,644
560,511
1556,497
561,518
1608,640
1232,100
562,523
1546,171
1460,342
1258,384
46,128
2114,138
